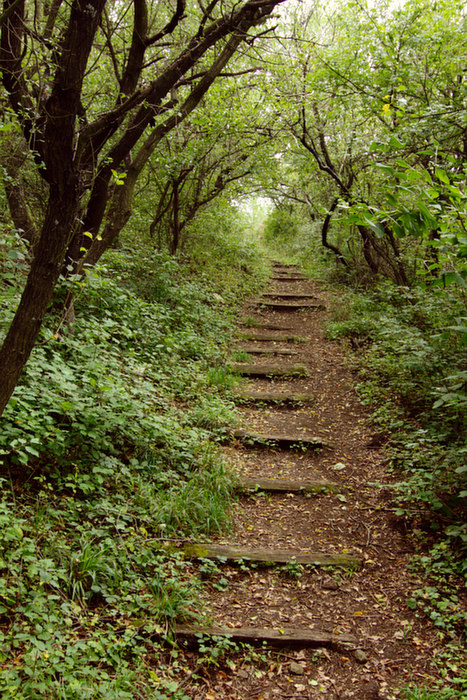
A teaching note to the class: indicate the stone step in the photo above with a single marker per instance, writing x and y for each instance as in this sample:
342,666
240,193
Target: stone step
256,350
247,335
290,305
269,370
280,440
287,486
246,396
289,637
265,555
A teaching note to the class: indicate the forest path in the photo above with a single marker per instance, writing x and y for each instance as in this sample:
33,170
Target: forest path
343,623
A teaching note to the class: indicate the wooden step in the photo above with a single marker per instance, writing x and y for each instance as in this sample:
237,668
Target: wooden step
269,370
290,305
246,335
257,350
265,555
292,638
248,396
280,440
287,486
288,274
267,326
287,295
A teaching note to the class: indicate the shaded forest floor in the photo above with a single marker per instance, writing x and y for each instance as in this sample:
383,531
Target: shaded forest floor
396,647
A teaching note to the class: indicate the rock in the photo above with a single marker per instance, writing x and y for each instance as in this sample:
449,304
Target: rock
338,467
360,656
296,669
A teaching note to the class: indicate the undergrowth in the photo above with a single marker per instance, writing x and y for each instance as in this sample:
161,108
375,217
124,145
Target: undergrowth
109,449
410,349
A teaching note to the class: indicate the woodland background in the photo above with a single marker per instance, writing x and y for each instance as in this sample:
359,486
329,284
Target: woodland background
151,152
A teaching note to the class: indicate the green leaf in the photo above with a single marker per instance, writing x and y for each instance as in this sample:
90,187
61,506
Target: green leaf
441,175
375,226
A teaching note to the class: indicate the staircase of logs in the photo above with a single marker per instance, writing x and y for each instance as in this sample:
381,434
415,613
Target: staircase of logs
275,351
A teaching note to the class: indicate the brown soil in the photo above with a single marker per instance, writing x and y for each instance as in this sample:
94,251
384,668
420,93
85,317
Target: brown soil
395,647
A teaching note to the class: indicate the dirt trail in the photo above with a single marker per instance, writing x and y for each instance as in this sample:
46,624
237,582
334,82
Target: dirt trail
391,647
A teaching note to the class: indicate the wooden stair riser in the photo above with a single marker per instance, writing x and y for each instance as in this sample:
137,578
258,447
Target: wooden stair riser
299,442
265,556
255,350
289,306
286,295
294,638
286,486
263,337
269,370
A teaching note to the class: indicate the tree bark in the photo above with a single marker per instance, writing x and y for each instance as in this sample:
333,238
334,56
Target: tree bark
37,295
324,235
57,152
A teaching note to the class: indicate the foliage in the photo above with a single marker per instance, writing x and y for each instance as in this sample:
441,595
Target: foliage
108,448
373,97
410,351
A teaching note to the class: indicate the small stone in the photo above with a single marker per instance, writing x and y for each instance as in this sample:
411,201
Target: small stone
339,466
330,584
360,656
296,669
242,673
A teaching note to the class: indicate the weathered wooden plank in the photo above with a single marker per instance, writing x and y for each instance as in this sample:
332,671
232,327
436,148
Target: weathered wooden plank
289,276
269,370
279,638
268,556
289,441
258,350
287,295
247,335
288,486
267,326
272,397
290,306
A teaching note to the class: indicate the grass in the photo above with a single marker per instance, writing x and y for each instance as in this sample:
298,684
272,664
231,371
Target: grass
409,348
108,449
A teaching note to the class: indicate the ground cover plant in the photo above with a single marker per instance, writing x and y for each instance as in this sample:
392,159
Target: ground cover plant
109,449
409,349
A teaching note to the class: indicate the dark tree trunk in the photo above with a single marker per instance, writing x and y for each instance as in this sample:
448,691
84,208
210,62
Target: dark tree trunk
37,294
16,197
175,239
324,235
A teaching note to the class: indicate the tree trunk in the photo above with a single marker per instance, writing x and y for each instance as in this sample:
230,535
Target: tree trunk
175,239
324,235
15,194
37,295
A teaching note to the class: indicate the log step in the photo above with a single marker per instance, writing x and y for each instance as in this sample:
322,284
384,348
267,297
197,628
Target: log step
272,397
287,295
277,339
289,279
286,486
266,325
290,306
255,350
286,441
266,370
268,556
292,638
